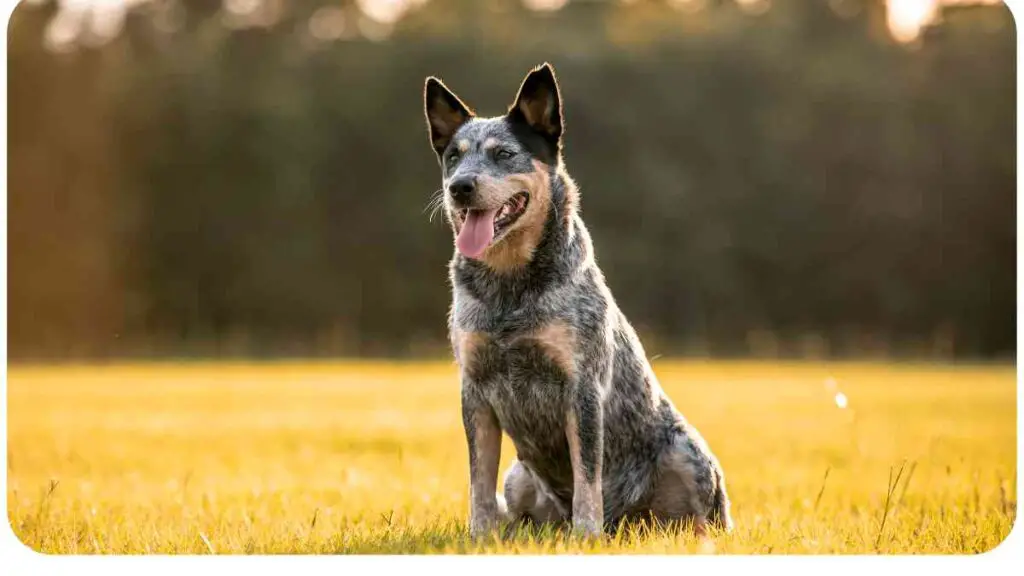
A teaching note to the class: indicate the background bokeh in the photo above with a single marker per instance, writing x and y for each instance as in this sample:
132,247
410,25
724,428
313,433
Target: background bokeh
784,178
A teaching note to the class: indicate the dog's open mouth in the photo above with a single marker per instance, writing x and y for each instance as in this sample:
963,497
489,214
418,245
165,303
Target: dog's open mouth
510,212
481,227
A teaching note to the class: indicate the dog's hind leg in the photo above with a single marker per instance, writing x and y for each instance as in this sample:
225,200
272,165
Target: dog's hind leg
528,500
690,487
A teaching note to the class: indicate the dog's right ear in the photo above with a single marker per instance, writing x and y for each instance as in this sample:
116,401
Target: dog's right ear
539,104
445,113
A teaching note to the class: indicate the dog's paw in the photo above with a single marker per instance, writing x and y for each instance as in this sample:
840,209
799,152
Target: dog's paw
587,530
483,528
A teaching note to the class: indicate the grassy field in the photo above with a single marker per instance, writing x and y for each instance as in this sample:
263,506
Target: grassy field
370,458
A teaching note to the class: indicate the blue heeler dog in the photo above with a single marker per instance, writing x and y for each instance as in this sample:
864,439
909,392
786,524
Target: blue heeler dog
544,353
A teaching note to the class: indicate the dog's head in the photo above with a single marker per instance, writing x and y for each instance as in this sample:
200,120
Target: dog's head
496,171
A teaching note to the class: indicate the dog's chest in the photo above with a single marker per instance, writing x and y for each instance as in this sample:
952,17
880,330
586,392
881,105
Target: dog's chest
525,378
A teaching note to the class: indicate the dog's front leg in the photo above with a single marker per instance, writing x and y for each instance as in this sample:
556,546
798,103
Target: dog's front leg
584,430
483,436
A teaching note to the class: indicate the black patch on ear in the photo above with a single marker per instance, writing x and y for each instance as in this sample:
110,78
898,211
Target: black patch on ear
445,113
539,104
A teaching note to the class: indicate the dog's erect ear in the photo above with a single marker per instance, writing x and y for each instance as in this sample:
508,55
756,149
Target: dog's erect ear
445,113
539,103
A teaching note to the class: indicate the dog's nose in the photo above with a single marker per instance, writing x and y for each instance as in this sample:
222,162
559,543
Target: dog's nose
462,189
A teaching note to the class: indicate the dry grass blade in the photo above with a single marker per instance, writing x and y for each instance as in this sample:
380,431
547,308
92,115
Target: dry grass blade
910,474
206,541
821,492
890,490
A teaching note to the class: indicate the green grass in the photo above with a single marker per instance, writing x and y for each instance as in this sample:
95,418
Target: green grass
370,458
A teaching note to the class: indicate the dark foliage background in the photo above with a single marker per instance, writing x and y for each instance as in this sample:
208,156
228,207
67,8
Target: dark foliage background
217,181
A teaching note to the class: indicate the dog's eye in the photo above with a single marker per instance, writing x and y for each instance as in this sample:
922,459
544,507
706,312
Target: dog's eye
453,159
503,154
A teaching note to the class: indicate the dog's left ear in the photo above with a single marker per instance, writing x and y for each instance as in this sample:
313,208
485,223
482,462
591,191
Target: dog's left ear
539,104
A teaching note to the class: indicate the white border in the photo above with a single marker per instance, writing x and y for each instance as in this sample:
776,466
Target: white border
19,559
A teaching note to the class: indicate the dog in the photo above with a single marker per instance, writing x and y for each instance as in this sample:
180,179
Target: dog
544,353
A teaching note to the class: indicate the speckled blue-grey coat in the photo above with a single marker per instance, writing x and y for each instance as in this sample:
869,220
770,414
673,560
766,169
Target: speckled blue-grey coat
545,355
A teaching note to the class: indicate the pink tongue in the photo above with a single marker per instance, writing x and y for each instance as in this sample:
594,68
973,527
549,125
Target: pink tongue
477,232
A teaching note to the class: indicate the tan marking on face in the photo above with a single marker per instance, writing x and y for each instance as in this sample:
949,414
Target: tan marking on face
559,342
491,143
587,502
516,248
466,344
463,145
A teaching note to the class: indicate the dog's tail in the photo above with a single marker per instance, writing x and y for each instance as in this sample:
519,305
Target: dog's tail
719,516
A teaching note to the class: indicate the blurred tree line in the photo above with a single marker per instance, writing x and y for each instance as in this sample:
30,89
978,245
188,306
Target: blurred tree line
249,179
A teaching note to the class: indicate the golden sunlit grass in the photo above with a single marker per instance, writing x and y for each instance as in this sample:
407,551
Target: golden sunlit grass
358,458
